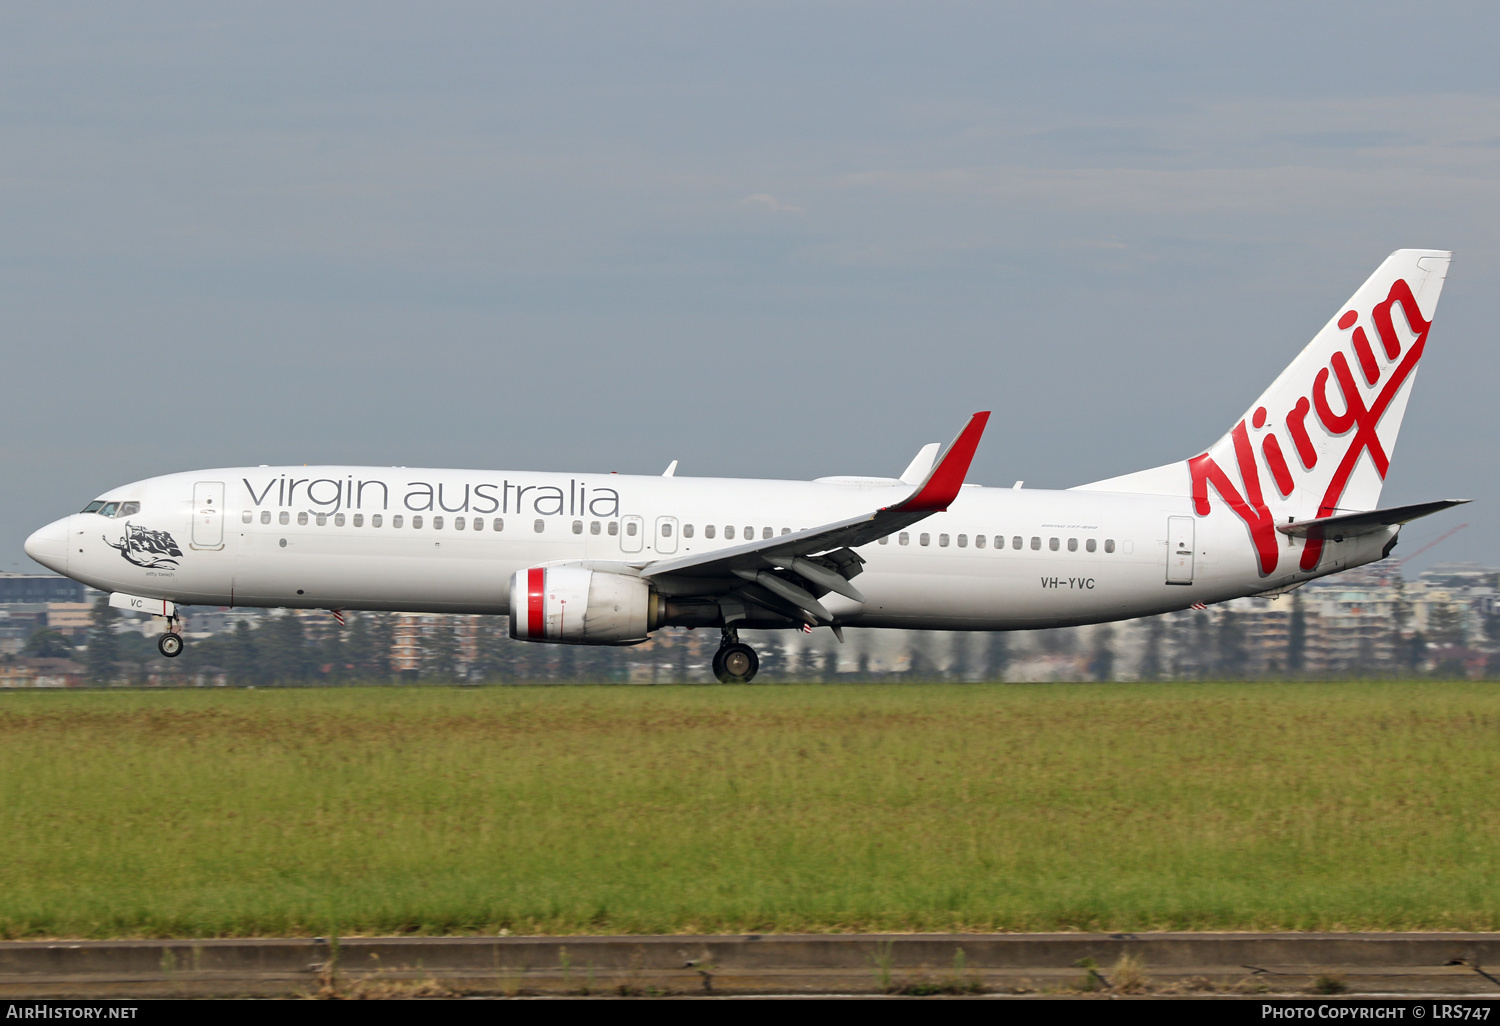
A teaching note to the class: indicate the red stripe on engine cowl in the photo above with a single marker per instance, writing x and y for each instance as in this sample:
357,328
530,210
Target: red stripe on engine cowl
536,589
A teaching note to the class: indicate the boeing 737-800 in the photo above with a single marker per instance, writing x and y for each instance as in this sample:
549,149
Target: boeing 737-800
1287,495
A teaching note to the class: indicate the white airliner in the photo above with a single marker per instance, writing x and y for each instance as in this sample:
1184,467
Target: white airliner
1289,494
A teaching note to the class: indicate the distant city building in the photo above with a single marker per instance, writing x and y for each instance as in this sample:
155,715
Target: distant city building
39,588
1364,621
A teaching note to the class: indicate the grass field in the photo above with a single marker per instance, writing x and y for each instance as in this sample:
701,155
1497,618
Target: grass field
725,809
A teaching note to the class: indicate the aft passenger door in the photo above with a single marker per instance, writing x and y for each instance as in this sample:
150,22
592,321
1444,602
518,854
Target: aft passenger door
208,515
1179,550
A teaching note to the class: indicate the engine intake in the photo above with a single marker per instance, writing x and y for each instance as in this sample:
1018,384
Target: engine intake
580,607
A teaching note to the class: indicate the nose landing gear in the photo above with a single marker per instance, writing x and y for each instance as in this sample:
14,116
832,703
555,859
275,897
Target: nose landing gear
170,643
735,662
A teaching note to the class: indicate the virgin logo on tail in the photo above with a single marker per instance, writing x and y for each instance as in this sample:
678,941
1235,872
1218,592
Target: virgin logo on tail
1355,420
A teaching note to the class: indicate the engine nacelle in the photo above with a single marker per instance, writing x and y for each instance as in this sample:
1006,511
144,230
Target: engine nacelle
580,607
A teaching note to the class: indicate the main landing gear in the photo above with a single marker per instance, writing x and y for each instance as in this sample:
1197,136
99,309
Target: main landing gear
170,643
735,662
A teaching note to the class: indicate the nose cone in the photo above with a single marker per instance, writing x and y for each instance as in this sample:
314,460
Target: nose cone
49,546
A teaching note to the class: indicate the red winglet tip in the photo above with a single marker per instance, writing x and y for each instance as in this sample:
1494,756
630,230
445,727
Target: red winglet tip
943,483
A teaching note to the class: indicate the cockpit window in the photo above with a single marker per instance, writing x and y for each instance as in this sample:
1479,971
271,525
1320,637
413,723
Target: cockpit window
113,509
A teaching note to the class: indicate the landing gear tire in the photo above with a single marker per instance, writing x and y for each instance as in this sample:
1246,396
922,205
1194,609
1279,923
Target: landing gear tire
170,645
736,664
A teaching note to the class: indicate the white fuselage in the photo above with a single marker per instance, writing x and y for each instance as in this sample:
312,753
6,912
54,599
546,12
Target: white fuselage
405,539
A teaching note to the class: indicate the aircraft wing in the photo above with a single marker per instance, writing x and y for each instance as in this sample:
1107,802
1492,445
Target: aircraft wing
788,569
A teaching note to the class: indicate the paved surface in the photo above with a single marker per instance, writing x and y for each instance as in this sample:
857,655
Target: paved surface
1229,964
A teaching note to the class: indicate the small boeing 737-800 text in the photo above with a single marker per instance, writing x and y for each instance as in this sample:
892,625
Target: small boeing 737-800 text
1288,495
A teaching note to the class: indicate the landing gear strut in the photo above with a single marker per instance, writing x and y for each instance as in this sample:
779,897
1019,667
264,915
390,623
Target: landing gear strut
734,662
170,643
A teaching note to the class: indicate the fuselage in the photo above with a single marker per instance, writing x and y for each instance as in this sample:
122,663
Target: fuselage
448,541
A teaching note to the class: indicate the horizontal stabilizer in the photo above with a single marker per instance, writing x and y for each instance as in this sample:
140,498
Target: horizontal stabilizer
1352,525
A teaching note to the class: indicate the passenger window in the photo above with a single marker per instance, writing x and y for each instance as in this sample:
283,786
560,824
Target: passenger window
666,530
130,509
1091,545
302,519
629,529
766,532
1015,542
539,525
93,507
1072,544
786,530
578,527
416,522
437,523
729,532
1052,544
903,538
247,516
359,520
265,516
396,520
978,541
109,509
687,530
499,524
1109,545
1036,543
942,541
374,519
708,530
963,541
284,519
322,519
614,528
924,538
884,541
593,527
479,523
338,520
459,523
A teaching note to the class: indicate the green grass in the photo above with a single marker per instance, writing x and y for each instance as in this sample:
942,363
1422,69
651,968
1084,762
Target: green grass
782,808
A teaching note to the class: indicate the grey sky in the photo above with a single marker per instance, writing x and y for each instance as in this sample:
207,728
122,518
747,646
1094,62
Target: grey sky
764,239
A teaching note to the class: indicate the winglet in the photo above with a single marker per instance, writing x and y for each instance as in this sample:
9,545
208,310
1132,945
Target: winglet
921,466
942,484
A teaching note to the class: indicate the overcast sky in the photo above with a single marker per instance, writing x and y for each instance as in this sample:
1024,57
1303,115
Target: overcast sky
769,240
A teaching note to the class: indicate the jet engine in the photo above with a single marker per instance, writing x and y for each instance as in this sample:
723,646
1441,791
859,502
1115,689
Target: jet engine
580,607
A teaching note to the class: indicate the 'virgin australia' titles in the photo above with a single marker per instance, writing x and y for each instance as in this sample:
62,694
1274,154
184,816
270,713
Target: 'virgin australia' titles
331,494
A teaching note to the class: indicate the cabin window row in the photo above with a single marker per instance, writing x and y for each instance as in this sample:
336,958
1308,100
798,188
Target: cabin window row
1016,542
417,521
437,523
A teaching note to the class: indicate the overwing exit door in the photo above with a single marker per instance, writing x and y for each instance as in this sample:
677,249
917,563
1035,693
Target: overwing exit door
208,515
632,534
1179,550
666,535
